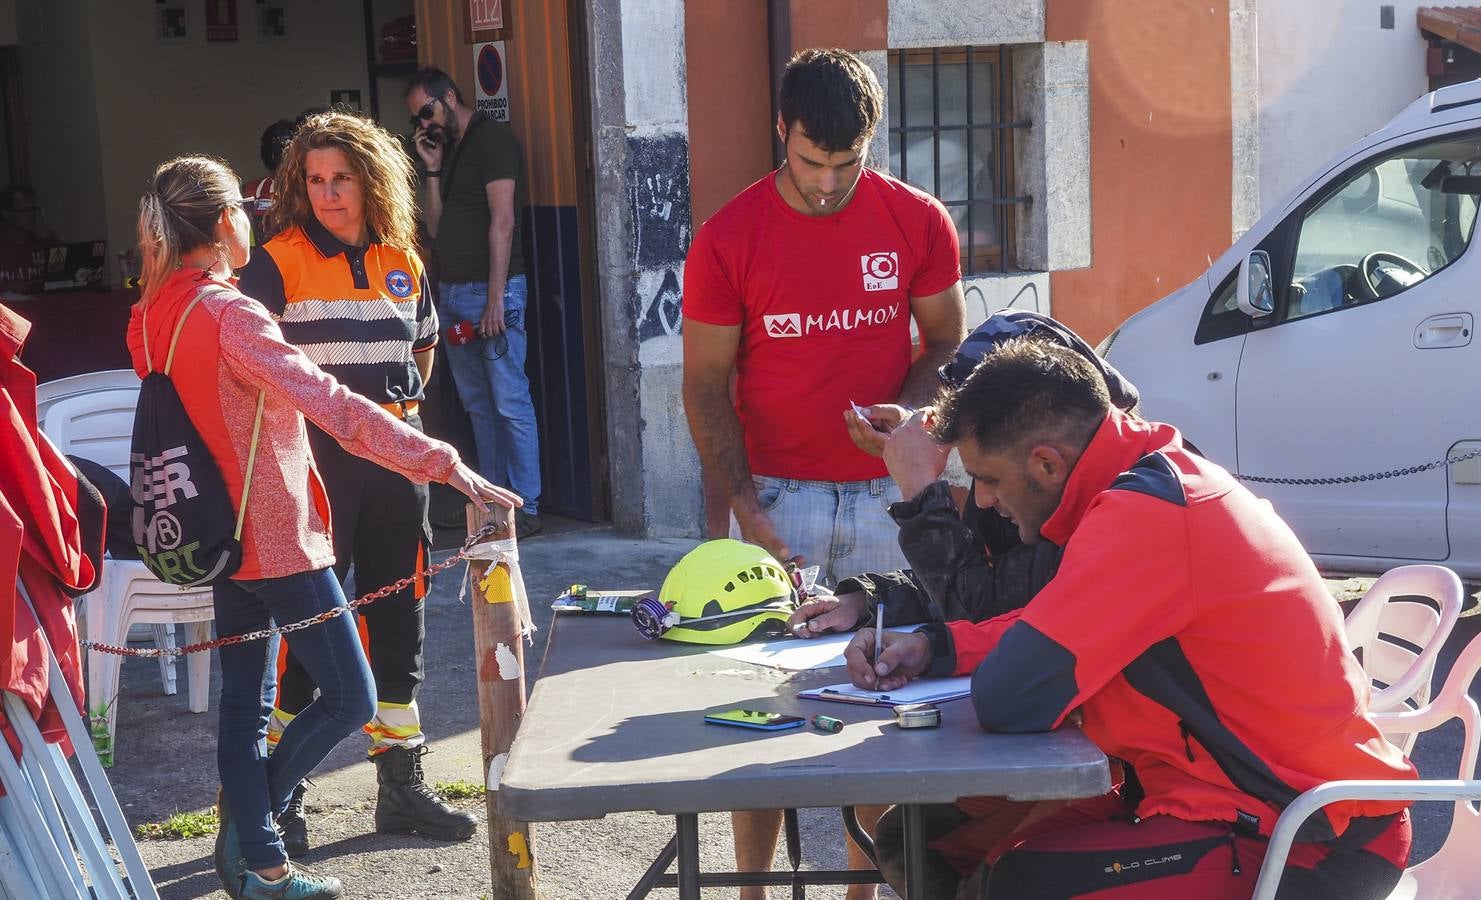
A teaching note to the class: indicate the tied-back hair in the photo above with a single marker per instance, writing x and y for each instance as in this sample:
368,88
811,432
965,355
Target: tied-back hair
833,96
378,160
1027,392
178,214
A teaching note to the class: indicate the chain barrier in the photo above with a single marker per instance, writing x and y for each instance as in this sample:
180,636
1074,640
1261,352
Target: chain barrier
156,652
1354,479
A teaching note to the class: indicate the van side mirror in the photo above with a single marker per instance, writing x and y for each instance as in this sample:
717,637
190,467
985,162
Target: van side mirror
1254,291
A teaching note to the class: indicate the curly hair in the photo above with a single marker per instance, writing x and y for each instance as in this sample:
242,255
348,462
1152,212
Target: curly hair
379,161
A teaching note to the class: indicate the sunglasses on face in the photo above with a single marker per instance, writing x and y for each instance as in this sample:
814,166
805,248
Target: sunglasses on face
424,114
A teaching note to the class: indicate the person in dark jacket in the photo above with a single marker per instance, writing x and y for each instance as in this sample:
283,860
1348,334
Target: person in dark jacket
965,562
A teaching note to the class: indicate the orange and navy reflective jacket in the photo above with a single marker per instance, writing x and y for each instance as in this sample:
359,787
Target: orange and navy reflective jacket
359,313
1193,632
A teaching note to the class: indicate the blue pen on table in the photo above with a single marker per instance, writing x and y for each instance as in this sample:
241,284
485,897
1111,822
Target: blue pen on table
878,638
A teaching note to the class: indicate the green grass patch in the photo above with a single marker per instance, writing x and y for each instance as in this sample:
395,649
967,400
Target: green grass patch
179,826
459,790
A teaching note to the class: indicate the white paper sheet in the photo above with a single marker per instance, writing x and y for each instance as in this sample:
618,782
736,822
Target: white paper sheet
796,654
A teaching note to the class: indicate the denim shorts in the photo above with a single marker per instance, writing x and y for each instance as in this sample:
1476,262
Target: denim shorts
843,527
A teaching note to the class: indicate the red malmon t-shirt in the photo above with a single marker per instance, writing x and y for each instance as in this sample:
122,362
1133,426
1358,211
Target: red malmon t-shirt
824,305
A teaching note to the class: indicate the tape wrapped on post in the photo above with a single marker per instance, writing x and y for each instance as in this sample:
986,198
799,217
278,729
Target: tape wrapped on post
504,552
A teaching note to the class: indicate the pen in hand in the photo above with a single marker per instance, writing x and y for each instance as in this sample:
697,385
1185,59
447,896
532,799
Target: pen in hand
878,638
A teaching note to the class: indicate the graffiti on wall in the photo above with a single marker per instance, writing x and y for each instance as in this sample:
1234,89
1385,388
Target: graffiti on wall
658,176
659,293
658,182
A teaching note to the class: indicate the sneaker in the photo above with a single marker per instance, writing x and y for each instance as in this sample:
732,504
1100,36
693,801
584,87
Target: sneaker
526,525
227,853
297,884
293,824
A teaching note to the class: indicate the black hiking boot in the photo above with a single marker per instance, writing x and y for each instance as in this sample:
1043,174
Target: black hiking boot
293,825
406,805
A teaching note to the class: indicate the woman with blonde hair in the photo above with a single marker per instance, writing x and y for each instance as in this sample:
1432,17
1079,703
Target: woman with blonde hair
193,231
343,277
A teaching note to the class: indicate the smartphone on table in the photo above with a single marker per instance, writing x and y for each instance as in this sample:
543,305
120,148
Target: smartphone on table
754,718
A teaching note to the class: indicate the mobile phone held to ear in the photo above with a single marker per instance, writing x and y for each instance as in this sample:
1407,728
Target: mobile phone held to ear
754,718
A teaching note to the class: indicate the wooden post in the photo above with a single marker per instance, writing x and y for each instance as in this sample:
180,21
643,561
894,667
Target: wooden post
499,649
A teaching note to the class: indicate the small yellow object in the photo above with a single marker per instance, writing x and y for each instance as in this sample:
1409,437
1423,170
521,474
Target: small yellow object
495,585
519,847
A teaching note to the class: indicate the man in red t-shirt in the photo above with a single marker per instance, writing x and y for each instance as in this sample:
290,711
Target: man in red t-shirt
804,287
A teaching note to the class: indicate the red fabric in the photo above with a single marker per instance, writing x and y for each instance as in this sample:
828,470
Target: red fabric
1222,575
42,543
1091,827
229,350
1083,832
814,336
259,189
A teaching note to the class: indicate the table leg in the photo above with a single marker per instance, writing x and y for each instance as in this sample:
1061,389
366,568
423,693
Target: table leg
687,833
660,865
794,850
915,851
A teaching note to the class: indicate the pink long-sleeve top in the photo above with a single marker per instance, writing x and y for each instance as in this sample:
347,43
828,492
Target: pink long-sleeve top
229,349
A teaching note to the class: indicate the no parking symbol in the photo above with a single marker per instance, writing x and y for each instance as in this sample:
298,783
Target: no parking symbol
491,79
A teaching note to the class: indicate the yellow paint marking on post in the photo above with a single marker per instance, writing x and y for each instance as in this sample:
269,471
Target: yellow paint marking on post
495,585
519,847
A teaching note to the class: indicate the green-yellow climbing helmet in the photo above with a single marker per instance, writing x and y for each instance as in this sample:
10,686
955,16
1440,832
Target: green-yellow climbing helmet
721,592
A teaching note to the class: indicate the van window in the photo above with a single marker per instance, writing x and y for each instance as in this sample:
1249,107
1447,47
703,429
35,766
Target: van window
1387,227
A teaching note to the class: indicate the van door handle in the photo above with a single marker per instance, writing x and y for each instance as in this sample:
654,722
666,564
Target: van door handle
1448,330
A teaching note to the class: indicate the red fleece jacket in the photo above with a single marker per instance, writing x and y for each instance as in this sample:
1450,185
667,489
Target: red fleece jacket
1194,634
230,349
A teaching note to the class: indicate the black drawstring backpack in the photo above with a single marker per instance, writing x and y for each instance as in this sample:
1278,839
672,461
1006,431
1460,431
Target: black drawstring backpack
184,526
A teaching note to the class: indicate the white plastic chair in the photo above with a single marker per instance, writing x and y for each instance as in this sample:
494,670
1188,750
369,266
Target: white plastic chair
1454,872
98,425
1387,619
49,392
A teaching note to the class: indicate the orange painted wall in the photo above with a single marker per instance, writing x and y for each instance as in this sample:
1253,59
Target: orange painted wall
538,70
850,24
729,95
727,55
1161,157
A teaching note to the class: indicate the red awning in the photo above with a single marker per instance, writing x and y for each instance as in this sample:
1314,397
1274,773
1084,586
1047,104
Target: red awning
1458,24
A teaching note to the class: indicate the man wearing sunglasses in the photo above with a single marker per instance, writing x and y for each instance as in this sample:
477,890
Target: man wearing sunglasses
474,189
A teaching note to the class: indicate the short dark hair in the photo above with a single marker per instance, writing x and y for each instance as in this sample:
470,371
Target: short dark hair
1027,392
274,138
434,83
833,96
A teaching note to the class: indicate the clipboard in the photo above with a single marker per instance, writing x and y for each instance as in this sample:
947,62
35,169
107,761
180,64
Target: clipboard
925,690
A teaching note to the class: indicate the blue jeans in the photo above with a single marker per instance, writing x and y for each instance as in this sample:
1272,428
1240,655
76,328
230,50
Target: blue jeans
491,380
843,527
257,786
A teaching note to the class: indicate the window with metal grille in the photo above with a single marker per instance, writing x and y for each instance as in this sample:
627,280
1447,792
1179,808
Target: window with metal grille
951,134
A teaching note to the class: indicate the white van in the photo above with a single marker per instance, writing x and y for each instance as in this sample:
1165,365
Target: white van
1329,357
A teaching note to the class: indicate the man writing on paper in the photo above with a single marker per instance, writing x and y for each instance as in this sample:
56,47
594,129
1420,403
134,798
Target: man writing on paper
964,565
804,287
1205,611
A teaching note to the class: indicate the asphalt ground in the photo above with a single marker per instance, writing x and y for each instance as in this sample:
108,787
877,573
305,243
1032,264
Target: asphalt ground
166,761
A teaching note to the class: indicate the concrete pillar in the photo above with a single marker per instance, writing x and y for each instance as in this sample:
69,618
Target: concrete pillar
643,231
